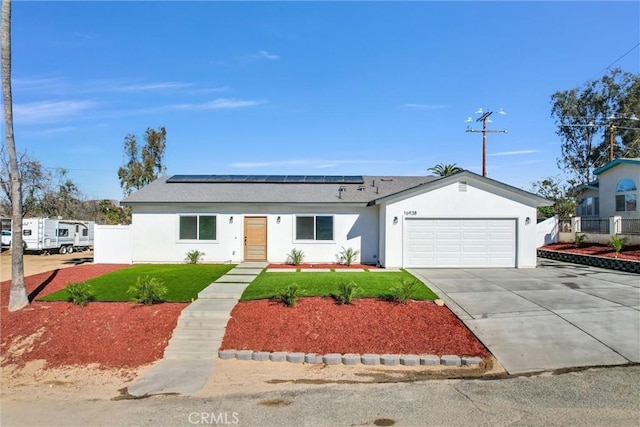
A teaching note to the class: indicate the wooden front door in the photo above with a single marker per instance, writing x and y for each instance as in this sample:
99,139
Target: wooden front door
255,238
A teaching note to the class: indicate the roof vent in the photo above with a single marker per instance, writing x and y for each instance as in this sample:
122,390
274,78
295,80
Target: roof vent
462,187
361,188
341,189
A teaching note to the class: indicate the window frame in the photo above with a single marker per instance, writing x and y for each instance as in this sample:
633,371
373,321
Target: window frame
626,196
198,229
315,228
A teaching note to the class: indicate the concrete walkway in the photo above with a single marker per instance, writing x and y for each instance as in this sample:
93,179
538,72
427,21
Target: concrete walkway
193,347
558,315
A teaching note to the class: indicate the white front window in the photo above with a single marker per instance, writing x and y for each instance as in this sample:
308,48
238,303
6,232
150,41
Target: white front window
314,227
197,227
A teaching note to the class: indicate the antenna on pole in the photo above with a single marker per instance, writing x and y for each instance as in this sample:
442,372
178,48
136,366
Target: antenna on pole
484,118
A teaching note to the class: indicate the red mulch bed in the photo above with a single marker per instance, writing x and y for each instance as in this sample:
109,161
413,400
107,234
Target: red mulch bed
124,335
320,325
629,252
113,335
341,266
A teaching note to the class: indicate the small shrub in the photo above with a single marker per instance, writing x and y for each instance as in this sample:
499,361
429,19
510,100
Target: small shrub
194,256
349,255
147,290
290,295
403,291
347,292
79,293
580,239
617,243
296,256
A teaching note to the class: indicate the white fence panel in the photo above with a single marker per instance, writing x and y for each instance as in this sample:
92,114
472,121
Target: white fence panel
112,244
547,232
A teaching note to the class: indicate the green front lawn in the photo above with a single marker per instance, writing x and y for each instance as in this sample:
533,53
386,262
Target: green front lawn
374,285
183,281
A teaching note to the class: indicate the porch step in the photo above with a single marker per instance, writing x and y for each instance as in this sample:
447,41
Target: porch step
223,291
177,343
199,333
202,323
236,278
190,355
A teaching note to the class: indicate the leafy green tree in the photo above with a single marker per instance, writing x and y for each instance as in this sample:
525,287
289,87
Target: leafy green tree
112,214
18,292
445,170
41,195
554,189
144,164
583,117
34,179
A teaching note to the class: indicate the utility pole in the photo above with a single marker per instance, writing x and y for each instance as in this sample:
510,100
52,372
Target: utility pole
484,118
610,126
612,129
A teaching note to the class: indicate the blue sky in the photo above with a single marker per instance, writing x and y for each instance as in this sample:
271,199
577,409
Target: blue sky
316,88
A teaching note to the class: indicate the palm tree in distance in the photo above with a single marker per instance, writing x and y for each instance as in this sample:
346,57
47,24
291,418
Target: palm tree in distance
445,170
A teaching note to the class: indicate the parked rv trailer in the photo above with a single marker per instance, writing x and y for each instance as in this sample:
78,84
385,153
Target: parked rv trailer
63,236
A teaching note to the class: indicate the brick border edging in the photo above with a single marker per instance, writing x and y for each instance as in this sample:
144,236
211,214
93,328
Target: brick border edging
350,358
618,264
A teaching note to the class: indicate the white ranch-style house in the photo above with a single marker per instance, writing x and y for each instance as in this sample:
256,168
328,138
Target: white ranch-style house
464,220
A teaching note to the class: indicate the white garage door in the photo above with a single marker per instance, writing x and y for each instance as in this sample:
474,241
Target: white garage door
460,242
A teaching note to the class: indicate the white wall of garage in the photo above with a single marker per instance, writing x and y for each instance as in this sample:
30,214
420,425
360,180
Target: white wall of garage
475,200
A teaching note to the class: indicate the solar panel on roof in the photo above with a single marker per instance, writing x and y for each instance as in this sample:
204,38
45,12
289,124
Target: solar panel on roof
354,179
314,179
297,179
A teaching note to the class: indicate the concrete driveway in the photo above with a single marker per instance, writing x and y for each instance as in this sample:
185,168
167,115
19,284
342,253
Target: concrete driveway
558,315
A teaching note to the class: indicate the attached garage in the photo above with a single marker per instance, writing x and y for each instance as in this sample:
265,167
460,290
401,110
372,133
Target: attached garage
461,242
460,221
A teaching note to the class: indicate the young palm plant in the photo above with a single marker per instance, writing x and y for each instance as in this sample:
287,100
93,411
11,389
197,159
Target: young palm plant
617,243
446,170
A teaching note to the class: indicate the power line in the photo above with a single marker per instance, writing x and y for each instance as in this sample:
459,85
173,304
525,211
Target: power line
609,66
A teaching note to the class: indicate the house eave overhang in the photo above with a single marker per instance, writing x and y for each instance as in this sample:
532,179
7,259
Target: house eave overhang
615,163
207,203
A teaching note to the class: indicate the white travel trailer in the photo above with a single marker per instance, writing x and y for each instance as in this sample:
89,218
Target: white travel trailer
63,236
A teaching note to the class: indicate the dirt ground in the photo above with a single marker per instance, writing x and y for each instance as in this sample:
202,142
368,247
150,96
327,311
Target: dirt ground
36,263
228,377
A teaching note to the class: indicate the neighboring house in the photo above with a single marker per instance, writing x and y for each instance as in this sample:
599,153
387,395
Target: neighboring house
614,193
464,220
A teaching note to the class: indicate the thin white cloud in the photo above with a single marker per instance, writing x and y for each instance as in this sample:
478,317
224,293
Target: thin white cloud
426,106
151,86
261,55
51,131
514,153
310,163
218,104
54,85
50,111
266,55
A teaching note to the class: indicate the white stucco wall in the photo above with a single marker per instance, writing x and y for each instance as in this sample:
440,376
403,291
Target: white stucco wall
608,181
449,202
112,244
547,232
154,232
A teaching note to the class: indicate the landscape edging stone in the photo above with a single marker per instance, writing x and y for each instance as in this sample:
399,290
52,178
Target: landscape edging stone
351,359
618,264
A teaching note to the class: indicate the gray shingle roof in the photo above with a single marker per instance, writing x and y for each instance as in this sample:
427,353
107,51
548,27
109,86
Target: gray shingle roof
374,187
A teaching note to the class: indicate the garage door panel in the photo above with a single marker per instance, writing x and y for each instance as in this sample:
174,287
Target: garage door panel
460,243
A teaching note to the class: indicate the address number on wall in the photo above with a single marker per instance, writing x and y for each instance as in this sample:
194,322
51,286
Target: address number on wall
410,213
